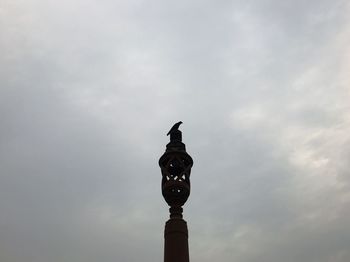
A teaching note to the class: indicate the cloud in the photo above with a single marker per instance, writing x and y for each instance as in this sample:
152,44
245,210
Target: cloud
89,89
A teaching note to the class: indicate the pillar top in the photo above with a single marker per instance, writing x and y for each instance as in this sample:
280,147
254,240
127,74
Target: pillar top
175,166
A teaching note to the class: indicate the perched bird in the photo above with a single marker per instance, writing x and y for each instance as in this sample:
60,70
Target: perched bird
174,128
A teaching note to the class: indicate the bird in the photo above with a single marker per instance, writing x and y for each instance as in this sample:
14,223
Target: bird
174,128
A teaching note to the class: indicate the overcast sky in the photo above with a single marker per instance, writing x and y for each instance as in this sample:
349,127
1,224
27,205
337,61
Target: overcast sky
89,88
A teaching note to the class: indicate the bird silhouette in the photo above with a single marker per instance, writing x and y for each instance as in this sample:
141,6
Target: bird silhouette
174,128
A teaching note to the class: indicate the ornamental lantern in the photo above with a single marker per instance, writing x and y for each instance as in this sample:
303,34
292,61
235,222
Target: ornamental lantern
176,166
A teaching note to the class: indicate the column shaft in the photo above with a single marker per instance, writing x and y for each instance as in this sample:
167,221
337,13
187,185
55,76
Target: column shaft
176,241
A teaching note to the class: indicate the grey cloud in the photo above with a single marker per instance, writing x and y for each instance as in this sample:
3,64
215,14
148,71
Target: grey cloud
88,91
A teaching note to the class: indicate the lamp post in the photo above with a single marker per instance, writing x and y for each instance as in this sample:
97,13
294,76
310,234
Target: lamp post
176,166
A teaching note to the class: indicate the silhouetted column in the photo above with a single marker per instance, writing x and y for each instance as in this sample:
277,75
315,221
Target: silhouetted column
176,166
176,239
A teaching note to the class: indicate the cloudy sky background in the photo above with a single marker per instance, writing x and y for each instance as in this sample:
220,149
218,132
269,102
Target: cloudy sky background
90,88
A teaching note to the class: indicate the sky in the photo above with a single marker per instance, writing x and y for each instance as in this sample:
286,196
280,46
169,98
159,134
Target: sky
89,89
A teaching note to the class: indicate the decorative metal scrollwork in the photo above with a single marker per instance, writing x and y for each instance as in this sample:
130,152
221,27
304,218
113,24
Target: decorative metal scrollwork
176,167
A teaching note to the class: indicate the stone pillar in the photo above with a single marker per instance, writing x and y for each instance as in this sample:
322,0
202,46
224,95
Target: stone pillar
176,166
176,239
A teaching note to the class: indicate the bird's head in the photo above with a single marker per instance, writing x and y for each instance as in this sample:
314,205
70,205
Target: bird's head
180,122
